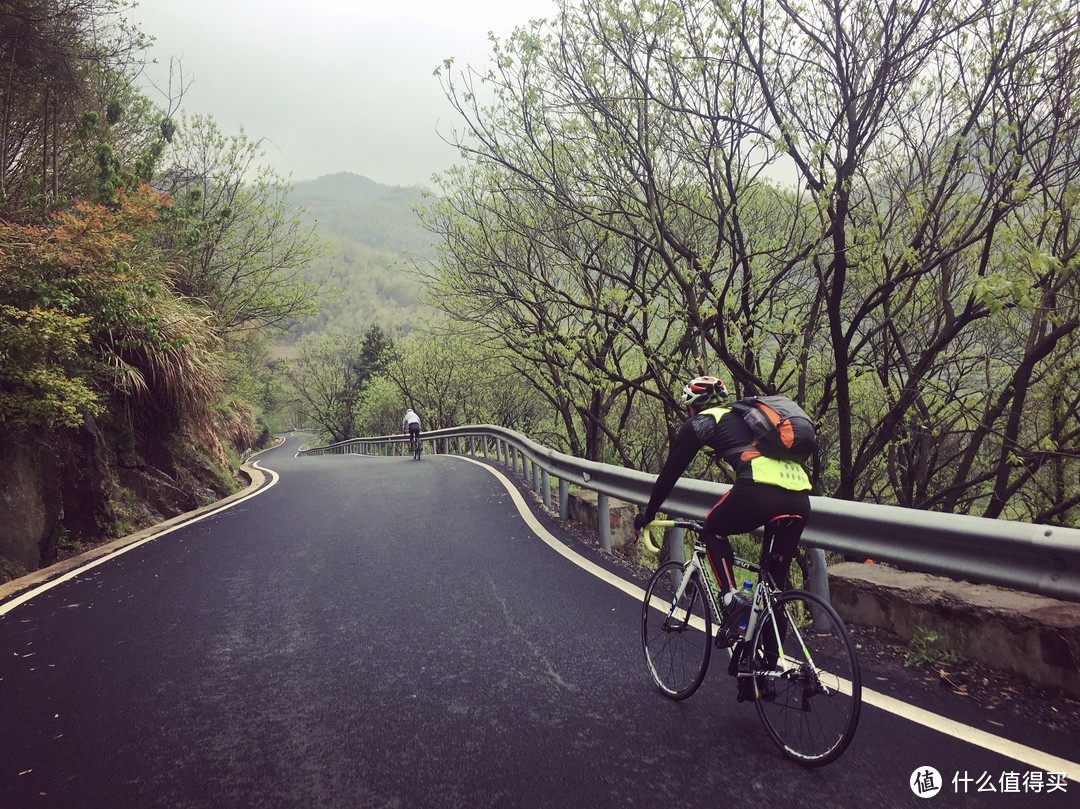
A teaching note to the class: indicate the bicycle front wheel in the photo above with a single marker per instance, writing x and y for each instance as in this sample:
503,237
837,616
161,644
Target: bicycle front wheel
804,650
676,634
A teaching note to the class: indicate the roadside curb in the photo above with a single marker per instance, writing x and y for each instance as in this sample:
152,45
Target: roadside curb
256,477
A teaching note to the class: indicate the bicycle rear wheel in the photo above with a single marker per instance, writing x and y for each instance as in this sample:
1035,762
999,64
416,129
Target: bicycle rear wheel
676,636
818,686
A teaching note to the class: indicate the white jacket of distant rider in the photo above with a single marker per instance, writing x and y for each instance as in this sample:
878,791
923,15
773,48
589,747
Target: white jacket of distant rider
410,418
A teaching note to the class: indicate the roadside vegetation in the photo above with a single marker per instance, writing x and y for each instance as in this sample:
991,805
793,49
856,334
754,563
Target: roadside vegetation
146,259
871,208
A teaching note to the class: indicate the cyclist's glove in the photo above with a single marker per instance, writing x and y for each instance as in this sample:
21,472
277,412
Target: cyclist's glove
641,519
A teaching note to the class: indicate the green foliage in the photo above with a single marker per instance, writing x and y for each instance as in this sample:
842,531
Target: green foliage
86,314
914,283
66,94
379,409
40,381
360,285
361,211
329,375
240,247
369,230
450,378
923,648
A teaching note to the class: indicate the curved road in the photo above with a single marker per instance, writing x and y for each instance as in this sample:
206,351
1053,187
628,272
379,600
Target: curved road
376,632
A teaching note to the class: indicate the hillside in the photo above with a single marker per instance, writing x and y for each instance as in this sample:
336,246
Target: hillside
373,233
352,207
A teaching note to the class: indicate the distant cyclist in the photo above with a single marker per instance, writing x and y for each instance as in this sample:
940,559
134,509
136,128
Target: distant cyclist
410,424
764,488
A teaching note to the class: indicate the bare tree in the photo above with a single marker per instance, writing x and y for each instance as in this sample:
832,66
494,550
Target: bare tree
239,245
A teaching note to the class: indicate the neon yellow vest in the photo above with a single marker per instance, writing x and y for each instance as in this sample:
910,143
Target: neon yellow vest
785,474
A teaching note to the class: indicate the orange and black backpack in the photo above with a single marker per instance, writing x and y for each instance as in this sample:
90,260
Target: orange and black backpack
781,428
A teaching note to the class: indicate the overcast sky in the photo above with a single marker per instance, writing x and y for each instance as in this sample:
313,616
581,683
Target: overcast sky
330,85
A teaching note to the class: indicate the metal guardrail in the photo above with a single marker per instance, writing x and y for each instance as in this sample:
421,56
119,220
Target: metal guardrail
1038,559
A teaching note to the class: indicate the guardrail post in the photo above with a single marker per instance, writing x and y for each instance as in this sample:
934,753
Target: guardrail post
673,539
545,487
603,518
818,578
564,499
535,474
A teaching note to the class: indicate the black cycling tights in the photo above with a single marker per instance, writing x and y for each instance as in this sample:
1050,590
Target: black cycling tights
747,506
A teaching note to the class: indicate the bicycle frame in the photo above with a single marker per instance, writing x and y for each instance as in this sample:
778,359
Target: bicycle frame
765,593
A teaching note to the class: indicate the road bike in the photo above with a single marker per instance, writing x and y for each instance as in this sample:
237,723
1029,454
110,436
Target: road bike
415,446
795,648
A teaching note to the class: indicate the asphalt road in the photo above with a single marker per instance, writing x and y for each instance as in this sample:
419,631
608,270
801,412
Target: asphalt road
379,632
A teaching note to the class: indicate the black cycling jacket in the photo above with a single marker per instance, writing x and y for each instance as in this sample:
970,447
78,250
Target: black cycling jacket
727,434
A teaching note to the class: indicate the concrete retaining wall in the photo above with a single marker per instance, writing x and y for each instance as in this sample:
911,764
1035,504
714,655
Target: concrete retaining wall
1032,636
584,509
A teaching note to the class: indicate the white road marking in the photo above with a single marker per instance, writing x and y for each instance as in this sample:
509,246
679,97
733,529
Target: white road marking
980,738
8,606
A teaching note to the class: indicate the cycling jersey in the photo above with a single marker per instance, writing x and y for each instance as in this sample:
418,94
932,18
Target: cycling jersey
728,427
764,488
725,432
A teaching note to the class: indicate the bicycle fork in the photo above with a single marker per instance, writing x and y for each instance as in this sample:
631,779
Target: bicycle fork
680,591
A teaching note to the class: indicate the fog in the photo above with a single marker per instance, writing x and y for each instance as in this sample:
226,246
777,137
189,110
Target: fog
329,85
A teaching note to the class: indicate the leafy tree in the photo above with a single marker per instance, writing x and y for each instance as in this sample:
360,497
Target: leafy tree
40,375
450,377
70,123
329,374
915,286
241,248
90,316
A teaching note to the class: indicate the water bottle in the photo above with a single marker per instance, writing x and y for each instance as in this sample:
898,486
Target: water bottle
746,598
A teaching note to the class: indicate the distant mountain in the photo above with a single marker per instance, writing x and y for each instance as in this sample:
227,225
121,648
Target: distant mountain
374,235
366,212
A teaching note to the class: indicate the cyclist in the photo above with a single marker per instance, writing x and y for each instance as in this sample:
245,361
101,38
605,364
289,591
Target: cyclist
410,424
764,488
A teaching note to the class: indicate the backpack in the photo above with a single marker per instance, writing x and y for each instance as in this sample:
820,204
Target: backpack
781,428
